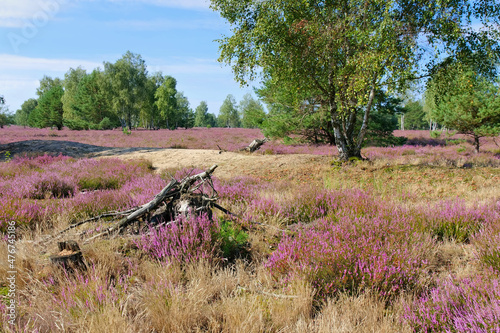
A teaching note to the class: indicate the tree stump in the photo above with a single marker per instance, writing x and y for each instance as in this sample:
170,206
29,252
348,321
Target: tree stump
69,257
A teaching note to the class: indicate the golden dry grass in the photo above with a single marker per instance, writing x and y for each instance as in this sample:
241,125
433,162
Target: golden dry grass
242,297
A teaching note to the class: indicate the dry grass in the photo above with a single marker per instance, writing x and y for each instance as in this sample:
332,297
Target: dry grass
422,183
240,296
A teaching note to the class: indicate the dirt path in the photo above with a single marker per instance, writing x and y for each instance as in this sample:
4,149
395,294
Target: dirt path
298,166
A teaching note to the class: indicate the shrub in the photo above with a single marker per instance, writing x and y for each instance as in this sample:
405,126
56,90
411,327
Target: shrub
453,220
52,186
233,240
76,124
186,240
487,244
352,255
436,134
97,182
458,305
105,124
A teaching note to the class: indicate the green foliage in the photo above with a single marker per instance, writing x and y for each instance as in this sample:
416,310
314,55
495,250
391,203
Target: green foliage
47,83
5,117
459,231
127,79
201,115
49,111
166,101
211,120
414,116
90,100
97,182
7,156
338,54
234,241
184,114
228,113
72,79
23,114
124,93
466,100
252,112
105,124
383,122
76,124
292,117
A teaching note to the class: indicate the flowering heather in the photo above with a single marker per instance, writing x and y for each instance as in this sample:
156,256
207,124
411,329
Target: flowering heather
458,305
487,244
346,252
34,190
230,139
454,220
187,240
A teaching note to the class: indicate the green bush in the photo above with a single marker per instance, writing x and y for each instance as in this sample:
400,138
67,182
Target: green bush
99,183
233,240
76,124
105,124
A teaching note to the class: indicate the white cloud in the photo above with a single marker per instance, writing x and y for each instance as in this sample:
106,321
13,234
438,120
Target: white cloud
20,76
19,13
14,63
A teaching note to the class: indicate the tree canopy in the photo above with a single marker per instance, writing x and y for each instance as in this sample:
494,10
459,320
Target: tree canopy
252,112
466,101
339,53
49,111
228,113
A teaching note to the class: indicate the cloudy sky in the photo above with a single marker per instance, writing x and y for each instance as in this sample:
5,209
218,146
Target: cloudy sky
176,37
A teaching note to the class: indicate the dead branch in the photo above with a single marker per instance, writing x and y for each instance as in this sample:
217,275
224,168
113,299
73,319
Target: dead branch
255,145
178,197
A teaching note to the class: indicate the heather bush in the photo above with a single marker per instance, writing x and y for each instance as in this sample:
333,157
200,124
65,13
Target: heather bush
353,254
458,305
454,220
107,174
82,187
487,246
189,239
26,213
52,186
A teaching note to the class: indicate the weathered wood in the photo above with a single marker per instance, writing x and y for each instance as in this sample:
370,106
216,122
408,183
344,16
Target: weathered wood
165,193
173,189
95,218
255,145
70,256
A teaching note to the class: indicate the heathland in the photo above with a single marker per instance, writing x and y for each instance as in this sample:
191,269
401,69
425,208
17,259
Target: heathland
404,241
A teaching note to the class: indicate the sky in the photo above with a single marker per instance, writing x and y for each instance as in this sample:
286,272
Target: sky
176,37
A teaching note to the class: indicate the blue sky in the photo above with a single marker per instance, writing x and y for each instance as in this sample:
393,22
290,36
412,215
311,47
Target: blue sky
176,37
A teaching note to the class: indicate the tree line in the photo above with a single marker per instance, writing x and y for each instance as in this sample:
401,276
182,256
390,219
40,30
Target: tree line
125,94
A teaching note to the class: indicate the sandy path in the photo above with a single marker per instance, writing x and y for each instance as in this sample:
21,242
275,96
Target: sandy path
301,166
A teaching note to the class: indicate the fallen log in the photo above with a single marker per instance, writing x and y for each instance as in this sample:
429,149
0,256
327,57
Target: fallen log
255,145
